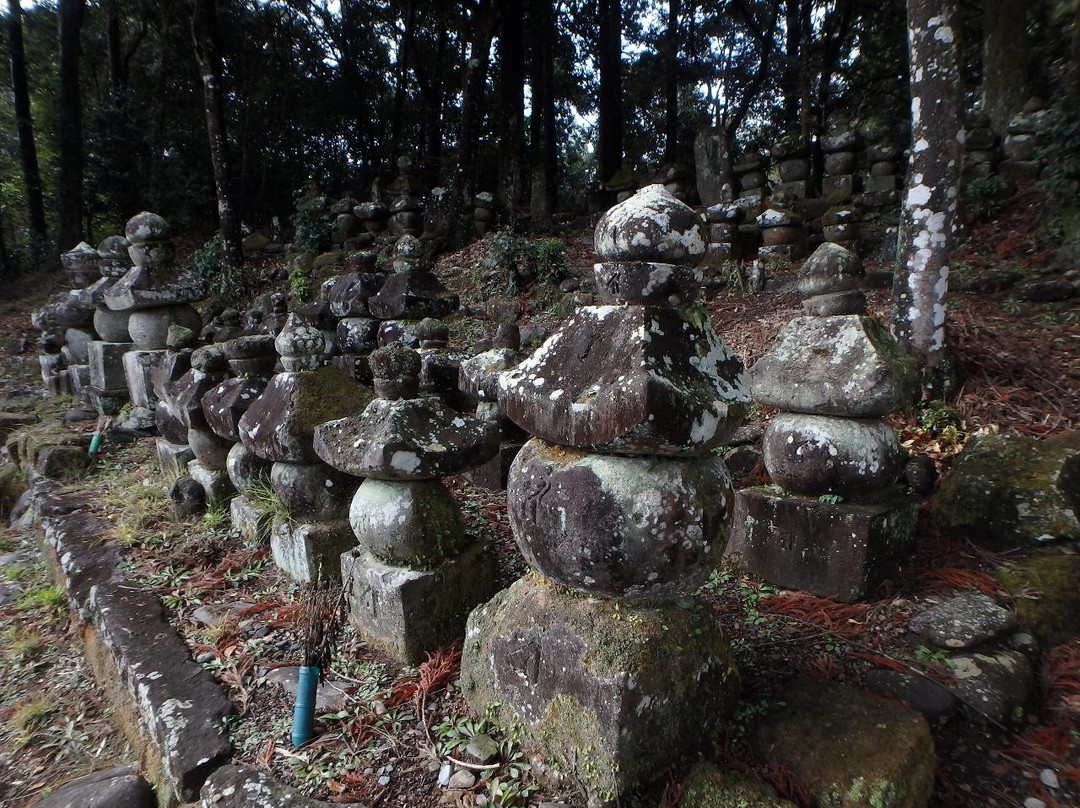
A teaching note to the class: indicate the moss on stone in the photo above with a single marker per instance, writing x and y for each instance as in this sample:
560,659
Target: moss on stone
1046,593
904,369
709,786
327,394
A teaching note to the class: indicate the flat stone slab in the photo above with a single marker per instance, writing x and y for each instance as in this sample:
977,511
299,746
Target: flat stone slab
412,296
306,549
610,693
996,684
852,749
142,288
479,375
330,695
844,365
406,439
844,550
410,612
243,787
252,522
963,621
630,380
119,787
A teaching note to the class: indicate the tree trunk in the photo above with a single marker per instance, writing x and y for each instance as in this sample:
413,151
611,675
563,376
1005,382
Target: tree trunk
69,197
35,206
117,78
545,163
609,151
400,80
671,83
933,182
1004,60
204,36
482,23
792,58
512,95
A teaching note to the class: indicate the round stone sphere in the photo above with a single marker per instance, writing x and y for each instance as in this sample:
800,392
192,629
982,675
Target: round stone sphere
617,526
149,328
246,469
652,225
414,521
208,448
822,454
146,226
112,326
312,490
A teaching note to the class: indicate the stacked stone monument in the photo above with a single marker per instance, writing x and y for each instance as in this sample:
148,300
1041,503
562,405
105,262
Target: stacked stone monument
82,266
783,235
279,427
724,244
373,216
347,226
792,161
1021,137
840,526
416,573
485,213
157,296
884,178
357,330
409,294
440,365
712,164
841,227
841,150
479,378
982,150
618,502
753,181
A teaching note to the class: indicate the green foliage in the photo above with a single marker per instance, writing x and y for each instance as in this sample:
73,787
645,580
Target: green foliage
524,262
300,283
1059,150
983,196
225,282
312,223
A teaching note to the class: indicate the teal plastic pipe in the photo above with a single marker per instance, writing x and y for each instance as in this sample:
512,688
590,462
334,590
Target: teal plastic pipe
307,685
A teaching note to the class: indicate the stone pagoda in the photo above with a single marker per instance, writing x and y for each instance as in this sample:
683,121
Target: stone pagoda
600,658
416,574
839,525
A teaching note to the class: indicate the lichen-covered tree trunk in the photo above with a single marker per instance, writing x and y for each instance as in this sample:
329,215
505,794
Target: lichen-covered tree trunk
205,38
926,225
609,108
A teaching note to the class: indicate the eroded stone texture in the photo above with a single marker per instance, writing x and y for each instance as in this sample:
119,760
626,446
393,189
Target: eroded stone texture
224,404
312,490
413,523
142,288
996,683
149,328
845,550
830,268
119,787
608,692
652,225
243,787
408,612
406,439
412,296
308,550
852,749
846,365
963,621
619,526
646,282
818,454
630,380
479,375
349,295
280,424
246,469
209,449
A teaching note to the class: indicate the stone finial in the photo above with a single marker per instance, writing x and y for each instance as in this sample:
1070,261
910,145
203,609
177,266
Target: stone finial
432,333
146,226
652,225
396,371
300,345
113,260
830,278
408,254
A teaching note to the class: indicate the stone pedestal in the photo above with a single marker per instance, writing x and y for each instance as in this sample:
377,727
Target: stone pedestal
139,370
844,550
408,612
302,549
173,457
493,474
252,522
107,365
215,482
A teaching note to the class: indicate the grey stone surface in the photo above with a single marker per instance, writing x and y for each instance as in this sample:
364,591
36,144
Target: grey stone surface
313,491
997,684
630,380
143,288
920,693
173,457
652,225
330,696
409,612
253,523
406,522
149,328
845,365
188,497
209,449
140,367
106,360
225,403
819,454
646,282
479,375
963,621
242,787
111,326
215,482
246,469
307,549
118,787
619,526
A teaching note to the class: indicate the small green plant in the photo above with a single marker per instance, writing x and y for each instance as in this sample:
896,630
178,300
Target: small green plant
312,223
266,499
300,283
983,196
226,282
51,599
830,499
524,262
929,655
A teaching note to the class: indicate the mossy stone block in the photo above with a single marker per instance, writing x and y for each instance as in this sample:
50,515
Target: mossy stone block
1046,594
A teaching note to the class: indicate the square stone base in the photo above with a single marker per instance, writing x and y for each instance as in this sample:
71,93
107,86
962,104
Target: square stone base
106,360
250,521
173,457
302,549
139,370
215,482
106,402
493,474
843,550
611,693
408,613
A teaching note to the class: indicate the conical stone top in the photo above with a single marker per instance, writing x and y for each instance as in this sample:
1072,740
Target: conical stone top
300,345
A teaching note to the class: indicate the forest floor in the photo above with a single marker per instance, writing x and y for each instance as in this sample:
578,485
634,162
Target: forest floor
395,728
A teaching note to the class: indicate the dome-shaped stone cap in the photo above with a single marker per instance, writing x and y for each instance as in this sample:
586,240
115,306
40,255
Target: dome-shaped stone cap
406,439
408,247
831,268
652,225
113,247
146,226
299,338
395,361
432,333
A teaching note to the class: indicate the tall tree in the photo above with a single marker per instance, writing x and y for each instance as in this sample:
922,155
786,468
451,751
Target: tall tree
609,45
69,192
542,122
482,22
20,88
671,83
512,100
204,36
921,280
1004,59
